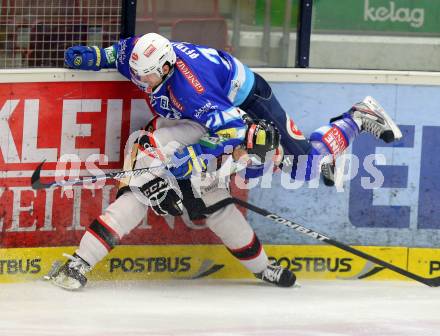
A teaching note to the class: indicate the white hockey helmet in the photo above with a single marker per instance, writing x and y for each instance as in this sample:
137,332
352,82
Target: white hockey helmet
149,55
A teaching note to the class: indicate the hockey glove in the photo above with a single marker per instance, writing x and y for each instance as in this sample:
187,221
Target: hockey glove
89,58
188,160
258,170
163,197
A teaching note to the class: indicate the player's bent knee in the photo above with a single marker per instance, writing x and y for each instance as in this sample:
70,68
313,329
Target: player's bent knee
124,214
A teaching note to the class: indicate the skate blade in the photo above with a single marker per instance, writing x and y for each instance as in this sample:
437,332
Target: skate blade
375,106
66,283
53,270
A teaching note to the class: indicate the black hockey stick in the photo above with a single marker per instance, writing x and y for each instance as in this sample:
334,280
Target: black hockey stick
36,183
432,282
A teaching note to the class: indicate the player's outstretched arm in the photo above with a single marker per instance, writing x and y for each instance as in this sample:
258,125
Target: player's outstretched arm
90,58
261,139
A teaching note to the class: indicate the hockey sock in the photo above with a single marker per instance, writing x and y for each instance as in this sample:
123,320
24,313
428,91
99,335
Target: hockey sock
97,242
335,137
252,255
327,141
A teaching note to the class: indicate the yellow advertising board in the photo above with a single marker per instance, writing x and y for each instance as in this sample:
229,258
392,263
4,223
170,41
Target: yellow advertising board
131,262
424,262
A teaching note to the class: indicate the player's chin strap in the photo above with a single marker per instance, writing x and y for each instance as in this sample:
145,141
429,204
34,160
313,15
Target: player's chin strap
432,282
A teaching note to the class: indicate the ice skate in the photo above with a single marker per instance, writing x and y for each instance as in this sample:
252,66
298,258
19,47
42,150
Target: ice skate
370,117
277,275
328,173
71,275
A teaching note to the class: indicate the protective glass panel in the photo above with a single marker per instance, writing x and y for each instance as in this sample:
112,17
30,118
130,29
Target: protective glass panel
35,33
258,32
376,34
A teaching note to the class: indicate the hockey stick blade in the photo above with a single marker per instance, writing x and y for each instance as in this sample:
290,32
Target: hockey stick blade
37,184
432,282
35,179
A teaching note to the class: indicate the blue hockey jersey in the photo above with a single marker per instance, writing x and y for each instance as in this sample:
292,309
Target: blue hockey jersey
206,86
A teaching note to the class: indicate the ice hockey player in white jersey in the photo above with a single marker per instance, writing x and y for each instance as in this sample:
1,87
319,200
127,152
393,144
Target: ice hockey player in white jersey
210,92
167,197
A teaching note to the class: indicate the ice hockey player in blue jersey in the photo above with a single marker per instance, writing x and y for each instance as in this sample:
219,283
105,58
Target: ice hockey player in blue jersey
213,88
196,90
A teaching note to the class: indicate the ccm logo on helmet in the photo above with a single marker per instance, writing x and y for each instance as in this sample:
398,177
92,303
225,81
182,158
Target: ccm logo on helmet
150,49
134,56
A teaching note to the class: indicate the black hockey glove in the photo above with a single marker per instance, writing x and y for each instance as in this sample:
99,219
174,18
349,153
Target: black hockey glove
163,197
261,137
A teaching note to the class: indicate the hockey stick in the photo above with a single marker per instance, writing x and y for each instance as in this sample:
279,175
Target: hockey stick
36,183
432,282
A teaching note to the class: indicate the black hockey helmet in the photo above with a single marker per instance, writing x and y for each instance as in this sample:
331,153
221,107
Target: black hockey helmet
262,137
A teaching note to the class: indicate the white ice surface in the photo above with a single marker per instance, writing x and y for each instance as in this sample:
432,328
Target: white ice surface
217,307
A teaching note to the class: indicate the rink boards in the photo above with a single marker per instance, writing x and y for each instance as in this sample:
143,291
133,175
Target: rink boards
215,262
45,114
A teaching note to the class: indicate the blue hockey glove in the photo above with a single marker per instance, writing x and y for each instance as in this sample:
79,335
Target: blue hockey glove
86,58
187,160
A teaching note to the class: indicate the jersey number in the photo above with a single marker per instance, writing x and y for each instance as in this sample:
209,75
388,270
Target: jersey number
212,55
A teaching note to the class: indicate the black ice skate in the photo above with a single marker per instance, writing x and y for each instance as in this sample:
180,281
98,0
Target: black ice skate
370,117
328,174
71,275
277,275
